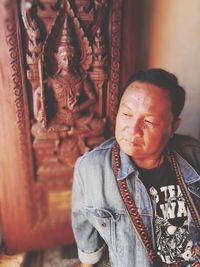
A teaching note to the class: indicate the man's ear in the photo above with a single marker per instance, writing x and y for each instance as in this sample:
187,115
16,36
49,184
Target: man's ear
176,124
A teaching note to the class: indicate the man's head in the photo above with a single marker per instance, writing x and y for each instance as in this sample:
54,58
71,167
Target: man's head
149,113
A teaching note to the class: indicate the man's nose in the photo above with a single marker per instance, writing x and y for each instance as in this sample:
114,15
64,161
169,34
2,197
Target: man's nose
135,127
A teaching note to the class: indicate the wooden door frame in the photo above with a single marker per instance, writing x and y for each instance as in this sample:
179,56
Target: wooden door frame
21,196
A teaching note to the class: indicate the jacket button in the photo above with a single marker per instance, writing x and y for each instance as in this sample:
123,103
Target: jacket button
103,224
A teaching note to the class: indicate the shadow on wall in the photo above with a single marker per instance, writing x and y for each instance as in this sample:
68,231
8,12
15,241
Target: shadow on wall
148,11
168,37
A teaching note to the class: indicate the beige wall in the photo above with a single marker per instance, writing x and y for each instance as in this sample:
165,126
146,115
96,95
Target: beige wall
169,38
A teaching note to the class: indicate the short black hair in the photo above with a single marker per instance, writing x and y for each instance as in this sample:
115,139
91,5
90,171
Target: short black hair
164,80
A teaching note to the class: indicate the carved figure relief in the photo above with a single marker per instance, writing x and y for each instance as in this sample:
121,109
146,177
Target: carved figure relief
71,94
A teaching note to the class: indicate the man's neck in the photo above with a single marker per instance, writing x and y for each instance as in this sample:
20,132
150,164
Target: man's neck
149,163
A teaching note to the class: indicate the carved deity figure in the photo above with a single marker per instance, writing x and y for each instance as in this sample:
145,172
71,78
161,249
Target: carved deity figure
73,92
72,126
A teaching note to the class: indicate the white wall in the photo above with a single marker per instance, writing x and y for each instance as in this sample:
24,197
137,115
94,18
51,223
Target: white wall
170,38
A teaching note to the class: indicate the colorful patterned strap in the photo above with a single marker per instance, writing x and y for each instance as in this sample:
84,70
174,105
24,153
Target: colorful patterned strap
131,207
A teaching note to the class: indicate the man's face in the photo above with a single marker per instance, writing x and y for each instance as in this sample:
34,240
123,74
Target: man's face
145,121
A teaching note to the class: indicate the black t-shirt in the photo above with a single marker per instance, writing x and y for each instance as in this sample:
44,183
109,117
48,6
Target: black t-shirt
172,237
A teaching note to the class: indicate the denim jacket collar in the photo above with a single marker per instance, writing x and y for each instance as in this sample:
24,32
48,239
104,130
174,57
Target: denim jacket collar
128,167
188,172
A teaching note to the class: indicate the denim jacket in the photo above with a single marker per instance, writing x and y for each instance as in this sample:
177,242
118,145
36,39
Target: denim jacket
99,218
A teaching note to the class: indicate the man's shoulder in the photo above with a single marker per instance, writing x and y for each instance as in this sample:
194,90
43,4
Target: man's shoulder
107,145
182,142
189,148
98,153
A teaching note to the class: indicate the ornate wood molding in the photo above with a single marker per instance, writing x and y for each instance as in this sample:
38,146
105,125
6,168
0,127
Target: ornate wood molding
13,39
114,81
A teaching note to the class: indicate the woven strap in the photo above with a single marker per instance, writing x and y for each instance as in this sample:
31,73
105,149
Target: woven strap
132,208
184,190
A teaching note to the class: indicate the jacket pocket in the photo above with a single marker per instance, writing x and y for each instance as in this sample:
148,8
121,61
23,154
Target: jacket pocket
104,221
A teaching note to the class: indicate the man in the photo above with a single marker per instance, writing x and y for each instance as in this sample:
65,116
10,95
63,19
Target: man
137,195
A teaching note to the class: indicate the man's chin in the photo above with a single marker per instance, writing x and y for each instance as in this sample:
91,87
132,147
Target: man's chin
133,150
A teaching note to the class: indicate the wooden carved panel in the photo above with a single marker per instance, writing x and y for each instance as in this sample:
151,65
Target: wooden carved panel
66,76
62,81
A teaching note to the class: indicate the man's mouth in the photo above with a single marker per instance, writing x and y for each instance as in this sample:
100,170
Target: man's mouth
134,142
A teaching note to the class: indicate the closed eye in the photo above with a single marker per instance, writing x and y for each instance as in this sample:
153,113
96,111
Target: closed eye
126,114
151,123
